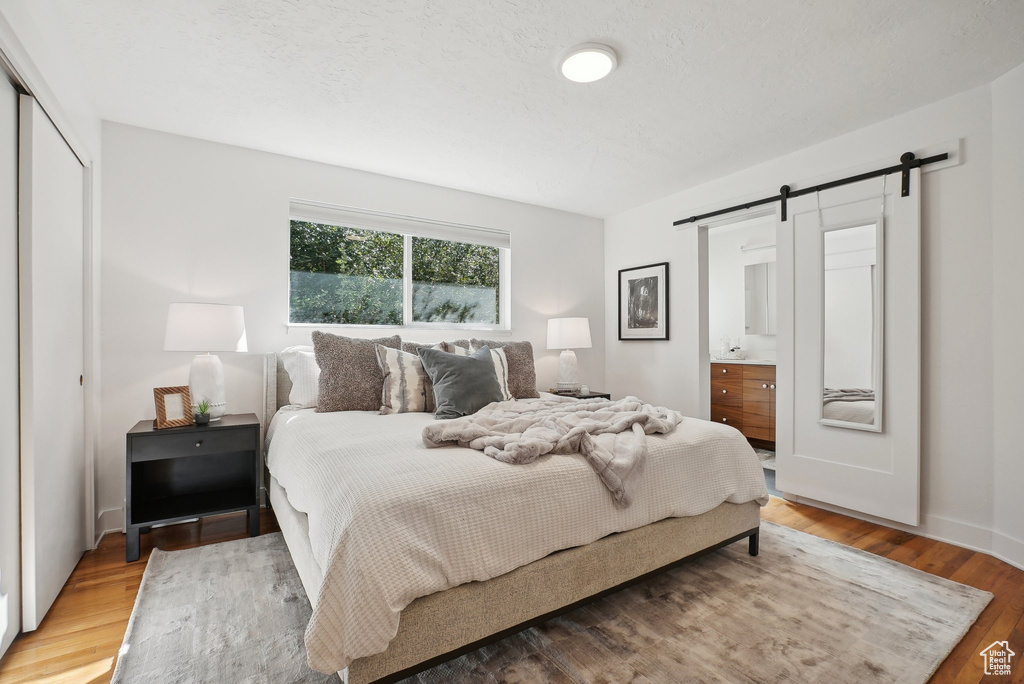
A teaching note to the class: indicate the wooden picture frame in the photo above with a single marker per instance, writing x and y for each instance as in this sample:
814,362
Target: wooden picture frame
173,407
643,302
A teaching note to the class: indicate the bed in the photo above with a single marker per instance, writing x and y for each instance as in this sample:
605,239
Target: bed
849,405
412,556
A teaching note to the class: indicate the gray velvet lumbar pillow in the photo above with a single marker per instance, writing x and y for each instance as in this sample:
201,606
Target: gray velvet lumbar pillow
462,384
522,374
350,378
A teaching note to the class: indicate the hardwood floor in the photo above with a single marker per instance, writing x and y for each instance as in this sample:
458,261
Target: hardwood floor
79,638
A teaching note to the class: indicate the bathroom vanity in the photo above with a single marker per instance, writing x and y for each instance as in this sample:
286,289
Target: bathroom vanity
743,396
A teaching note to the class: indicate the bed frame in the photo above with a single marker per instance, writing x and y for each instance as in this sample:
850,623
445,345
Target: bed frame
449,623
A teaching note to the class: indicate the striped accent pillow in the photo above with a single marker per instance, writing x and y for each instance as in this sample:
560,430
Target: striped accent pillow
407,386
501,370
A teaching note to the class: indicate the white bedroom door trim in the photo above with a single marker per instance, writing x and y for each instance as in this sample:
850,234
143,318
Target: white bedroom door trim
873,473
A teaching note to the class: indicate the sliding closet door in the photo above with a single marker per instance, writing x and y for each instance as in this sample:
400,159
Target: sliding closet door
848,429
52,398
10,516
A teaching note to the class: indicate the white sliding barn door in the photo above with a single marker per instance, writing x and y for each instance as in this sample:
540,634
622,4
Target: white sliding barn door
10,515
873,472
52,399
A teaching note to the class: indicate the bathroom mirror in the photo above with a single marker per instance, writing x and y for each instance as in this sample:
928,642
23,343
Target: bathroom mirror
759,293
852,280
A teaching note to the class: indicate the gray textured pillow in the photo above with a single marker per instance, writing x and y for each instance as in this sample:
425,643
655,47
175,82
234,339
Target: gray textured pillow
522,375
350,379
462,384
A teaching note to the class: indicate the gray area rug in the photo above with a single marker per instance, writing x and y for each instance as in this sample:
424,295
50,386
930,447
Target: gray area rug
767,457
805,610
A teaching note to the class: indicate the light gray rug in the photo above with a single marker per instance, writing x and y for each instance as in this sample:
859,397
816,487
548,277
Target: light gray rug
767,457
805,610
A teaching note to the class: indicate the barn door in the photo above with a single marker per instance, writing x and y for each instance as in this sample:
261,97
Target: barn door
848,428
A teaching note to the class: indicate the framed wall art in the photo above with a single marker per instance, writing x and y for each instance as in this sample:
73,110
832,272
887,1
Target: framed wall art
643,302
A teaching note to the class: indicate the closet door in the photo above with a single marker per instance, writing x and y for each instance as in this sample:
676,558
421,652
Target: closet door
51,214
10,516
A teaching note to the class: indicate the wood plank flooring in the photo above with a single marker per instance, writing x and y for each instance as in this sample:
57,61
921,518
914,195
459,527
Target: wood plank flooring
79,638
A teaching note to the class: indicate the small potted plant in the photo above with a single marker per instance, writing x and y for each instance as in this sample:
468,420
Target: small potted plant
203,416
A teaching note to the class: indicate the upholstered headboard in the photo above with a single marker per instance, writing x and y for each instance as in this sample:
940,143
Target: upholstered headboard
276,387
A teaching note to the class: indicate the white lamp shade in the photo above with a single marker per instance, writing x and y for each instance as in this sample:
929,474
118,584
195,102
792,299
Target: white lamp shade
569,333
196,327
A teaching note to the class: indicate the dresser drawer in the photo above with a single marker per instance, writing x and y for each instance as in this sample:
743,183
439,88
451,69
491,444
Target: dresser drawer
726,370
726,391
763,373
193,443
762,433
727,415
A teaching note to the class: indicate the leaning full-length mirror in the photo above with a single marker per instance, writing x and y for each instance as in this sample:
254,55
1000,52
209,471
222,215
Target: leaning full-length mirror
852,342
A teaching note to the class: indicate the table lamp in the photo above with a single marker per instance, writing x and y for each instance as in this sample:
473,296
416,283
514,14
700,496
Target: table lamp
568,334
195,327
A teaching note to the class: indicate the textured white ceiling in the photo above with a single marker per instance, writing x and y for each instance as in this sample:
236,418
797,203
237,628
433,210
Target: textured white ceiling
466,93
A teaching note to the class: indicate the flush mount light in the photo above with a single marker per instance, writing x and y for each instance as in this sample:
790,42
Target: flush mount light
589,62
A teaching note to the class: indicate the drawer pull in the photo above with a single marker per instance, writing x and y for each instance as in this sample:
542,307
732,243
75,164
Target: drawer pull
199,444
725,391
772,386
725,370
724,419
765,386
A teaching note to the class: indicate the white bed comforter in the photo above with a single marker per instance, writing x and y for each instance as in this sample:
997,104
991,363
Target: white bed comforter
391,520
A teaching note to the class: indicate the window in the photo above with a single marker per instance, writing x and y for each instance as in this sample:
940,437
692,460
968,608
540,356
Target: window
351,267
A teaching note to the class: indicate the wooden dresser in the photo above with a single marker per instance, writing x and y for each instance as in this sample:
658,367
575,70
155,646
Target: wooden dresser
743,395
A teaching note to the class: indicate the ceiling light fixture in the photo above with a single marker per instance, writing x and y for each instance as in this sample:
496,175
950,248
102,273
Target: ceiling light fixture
589,62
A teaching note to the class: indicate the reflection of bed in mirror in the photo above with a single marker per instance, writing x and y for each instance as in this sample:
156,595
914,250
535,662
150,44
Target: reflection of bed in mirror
849,405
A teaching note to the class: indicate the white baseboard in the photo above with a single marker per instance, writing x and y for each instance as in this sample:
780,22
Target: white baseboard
110,520
1005,547
959,533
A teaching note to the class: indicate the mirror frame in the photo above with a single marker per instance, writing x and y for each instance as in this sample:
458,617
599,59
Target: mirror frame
878,336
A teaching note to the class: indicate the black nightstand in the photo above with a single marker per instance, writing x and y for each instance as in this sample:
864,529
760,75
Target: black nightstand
188,472
592,395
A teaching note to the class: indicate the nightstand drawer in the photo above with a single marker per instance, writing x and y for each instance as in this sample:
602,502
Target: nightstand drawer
194,443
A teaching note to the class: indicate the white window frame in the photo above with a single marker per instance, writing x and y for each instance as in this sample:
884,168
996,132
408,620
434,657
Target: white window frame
408,227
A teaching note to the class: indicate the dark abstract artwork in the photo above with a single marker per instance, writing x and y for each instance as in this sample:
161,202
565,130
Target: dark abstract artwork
642,306
643,302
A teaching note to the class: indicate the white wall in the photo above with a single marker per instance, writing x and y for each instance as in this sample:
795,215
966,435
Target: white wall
51,75
186,219
1008,314
726,286
957,244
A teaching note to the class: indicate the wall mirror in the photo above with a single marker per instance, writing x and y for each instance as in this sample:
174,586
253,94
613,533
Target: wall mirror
759,305
852,280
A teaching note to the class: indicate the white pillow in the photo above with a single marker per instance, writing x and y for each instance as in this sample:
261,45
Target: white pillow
300,362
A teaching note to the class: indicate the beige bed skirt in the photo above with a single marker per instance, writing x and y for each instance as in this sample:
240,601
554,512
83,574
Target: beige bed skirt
447,621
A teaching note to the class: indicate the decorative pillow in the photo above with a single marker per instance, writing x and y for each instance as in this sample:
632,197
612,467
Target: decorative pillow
522,375
407,386
500,362
350,378
300,363
414,347
458,347
462,384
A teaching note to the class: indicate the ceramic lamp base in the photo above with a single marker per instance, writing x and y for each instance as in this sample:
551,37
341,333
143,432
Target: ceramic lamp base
568,372
206,382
